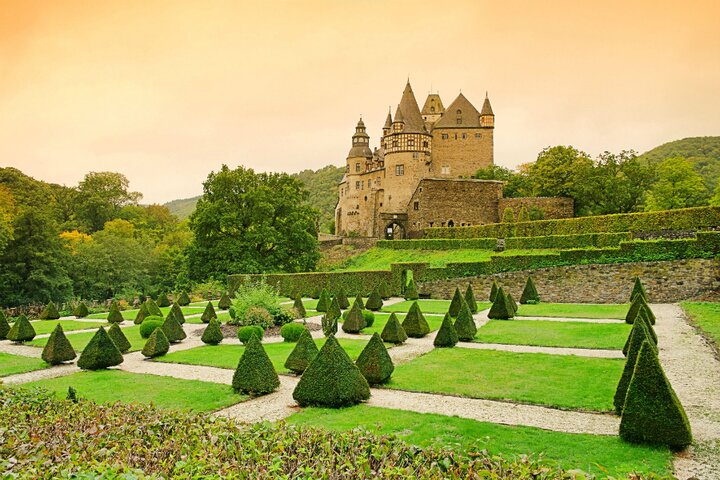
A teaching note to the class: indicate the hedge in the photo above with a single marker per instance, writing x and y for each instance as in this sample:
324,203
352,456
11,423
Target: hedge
680,219
439,244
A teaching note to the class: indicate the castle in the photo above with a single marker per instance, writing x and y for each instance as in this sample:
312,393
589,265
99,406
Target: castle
420,175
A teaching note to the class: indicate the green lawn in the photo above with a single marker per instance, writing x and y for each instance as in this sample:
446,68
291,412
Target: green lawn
105,386
381,319
131,314
574,310
596,454
14,364
428,306
227,356
706,315
563,381
46,326
609,336
80,340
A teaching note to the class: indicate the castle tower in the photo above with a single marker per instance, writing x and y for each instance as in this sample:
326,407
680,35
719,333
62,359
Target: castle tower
432,110
487,117
348,213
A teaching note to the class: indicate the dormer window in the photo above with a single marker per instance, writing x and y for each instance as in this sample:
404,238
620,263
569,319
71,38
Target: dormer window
432,109
459,112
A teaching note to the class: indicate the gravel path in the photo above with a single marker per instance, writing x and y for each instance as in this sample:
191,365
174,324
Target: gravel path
52,372
276,406
6,346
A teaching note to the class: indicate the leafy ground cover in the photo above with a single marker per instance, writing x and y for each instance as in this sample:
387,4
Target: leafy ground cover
609,336
47,326
80,340
706,315
562,381
105,386
574,310
14,364
227,356
595,454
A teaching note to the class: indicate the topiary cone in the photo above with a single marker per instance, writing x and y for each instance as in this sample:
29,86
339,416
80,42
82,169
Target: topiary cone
101,352
331,380
4,326
512,304
529,293
333,311
157,344
638,335
324,301
638,289
637,304
500,309
299,307
415,324
374,361
470,299
183,300
359,301
255,374
118,337
393,332
355,320
58,348
456,303
173,330
342,299
411,292
163,300
465,324
81,310
50,312
176,311
21,331
153,308
493,291
114,315
303,354
208,313
446,337
651,332
141,315
212,335
374,301
224,303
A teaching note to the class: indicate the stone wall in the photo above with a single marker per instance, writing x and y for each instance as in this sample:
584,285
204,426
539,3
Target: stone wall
552,207
462,152
665,282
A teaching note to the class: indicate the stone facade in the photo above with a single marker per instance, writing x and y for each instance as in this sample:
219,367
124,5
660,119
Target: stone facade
665,282
547,207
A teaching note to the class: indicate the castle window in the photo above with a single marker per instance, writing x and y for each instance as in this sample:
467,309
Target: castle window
357,167
366,198
395,143
451,223
399,170
411,143
445,170
464,136
431,224
442,224
478,135
416,155
416,205
369,183
357,185
425,144
459,120
432,109
444,136
459,112
456,136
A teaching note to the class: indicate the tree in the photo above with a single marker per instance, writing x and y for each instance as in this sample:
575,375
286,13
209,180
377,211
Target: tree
324,301
255,374
173,330
638,335
184,299
101,352
561,171
529,293
516,183
58,348
252,223
114,315
81,310
224,303
501,308
299,307
355,320
50,312
374,361
333,310
209,313
342,299
617,184
101,196
176,312
411,291
677,186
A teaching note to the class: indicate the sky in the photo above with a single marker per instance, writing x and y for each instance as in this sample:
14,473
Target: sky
165,91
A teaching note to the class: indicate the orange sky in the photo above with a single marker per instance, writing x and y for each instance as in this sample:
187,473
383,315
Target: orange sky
165,91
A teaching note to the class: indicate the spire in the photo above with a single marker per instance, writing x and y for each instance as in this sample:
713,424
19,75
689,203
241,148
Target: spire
486,108
399,116
388,120
409,111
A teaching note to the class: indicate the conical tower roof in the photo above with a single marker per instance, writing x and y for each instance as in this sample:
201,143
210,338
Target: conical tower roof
388,120
409,112
433,105
461,109
486,108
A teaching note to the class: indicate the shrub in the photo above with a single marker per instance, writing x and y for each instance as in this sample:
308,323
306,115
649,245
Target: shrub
183,299
163,300
635,307
316,293
118,337
415,324
501,308
324,301
529,293
114,315
354,321
21,331
101,352
283,316
291,331
384,290
649,315
447,336
470,299
411,291
508,215
439,244
244,333
81,310
333,311
369,318
374,302
512,304
393,332
638,335
465,324
374,361
329,325
157,345
331,380
212,335
50,312
342,298
224,303
141,315
148,326
176,312
4,326
523,214
652,412
255,374
262,295
299,307
456,303
493,291
638,289
153,308
209,313
173,330
650,331
304,352
58,349
359,301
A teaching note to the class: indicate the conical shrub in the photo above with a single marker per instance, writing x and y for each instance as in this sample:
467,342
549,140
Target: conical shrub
176,312
208,313
303,354
4,326
651,332
255,374
374,302
58,349
316,293
212,334
324,301
374,361
493,291
359,302
638,335
224,303
81,310
411,292
393,332
465,324
455,303
157,345
342,299
512,303
414,323
529,293
163,300
184,299
50,312
173,330
647,311
114,315
101,352
384,290
141,315
118,337
153,308
21,331
470,299
355,320
333,311
652,412
331,380
299,307
638,289
501,309
638,303
447,336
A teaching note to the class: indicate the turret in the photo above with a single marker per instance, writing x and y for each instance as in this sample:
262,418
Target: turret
360,152
388,124
487,117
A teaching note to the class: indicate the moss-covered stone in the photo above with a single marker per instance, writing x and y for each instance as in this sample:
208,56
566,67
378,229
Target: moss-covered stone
255,374
465,324
224,303
638,335
447,336
470,299
303,354
114,315
638,289
324,301
58,348
173,330
208,313
101,352
331,380
411,292
652,412
183,299
415,324
529,293
50,312
355,320
393,332
299,307
157,345
4,326
374,302
118,337
212,335
374,361
81,310
501,309
456,303
21,331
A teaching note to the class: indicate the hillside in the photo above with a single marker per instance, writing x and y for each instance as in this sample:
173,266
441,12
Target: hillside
704,152
183,207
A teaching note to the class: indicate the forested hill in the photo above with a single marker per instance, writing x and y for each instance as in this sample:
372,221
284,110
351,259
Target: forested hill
703,152
322,185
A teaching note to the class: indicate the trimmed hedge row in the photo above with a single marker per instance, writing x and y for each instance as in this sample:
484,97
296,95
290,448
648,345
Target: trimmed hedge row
680,219
524,243
439,244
